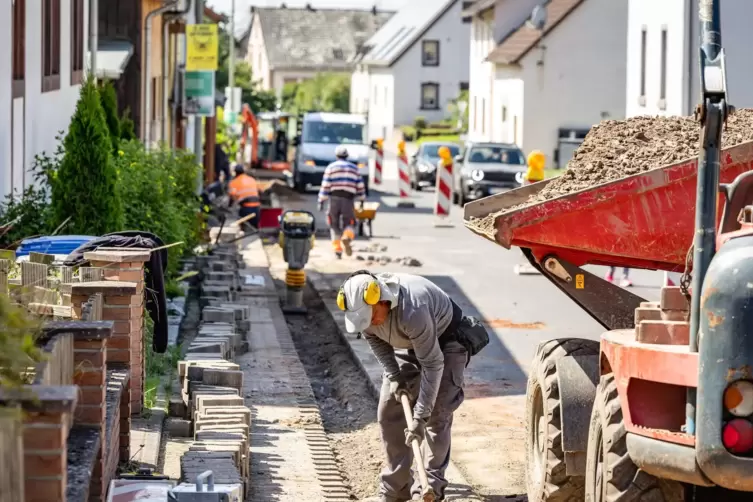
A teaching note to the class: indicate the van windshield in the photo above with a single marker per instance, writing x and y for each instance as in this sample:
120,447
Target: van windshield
333,133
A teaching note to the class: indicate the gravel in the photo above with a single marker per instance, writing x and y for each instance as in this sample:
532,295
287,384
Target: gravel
347,407
615,149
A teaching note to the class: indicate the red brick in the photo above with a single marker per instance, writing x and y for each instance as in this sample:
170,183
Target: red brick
89,358
44,490
45,465
91,395
119,356
133,300
32,417
124,275
122,313
119,342
89,376
47,437
89,344
126,327
89,414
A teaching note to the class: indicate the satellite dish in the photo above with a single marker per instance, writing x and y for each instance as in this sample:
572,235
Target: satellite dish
538,18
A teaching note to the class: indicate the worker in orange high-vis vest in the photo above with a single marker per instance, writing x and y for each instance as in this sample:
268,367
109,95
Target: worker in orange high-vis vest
243,191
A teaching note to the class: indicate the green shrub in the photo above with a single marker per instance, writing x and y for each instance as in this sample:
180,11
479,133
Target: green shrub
409,133
439,132
84,188
419,123
159,187
18,350
28,213
127,127
109,101
440,125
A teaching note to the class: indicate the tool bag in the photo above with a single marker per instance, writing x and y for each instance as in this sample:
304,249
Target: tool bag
472,335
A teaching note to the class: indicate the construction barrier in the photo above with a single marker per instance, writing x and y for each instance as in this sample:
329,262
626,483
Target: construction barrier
404,176
378,162
445,182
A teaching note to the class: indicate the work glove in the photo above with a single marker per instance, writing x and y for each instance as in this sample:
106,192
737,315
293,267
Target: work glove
397,387
416,430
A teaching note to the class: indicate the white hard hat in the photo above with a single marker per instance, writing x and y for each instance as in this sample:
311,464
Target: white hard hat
341,152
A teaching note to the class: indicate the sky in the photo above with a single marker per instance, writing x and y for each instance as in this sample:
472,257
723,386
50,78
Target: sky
243,15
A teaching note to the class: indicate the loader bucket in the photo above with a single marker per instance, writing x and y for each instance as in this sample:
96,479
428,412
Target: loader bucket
642,221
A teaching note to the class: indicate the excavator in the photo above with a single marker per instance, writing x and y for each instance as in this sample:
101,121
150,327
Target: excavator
264,140
661,407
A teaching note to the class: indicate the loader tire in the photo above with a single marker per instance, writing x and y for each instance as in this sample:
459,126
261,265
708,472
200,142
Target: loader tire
546,480
611,476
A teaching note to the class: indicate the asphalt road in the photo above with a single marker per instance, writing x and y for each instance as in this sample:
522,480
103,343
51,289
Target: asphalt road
520,310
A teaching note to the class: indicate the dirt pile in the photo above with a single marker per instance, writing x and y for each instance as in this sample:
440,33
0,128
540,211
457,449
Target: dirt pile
616,149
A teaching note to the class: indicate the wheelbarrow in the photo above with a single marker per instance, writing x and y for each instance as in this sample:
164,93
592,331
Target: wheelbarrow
365,214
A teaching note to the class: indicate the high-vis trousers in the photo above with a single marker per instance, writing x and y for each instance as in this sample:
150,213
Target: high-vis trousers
341,218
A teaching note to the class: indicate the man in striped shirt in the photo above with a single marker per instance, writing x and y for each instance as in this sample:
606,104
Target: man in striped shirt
342,185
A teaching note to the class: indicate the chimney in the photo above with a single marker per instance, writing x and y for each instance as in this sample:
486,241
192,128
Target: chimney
309,7
374,10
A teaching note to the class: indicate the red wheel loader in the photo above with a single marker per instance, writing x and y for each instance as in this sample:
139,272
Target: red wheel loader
661,409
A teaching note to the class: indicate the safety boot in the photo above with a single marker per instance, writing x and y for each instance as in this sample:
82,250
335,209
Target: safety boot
339,255
346,240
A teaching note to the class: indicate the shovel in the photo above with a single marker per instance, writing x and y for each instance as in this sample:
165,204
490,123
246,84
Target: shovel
427,491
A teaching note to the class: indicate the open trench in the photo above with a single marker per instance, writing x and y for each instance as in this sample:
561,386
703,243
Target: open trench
347,406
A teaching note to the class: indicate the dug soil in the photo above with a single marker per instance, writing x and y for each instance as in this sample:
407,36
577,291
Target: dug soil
616,149
347,407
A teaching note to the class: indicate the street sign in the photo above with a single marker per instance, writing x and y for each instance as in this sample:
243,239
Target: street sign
202,44
198,93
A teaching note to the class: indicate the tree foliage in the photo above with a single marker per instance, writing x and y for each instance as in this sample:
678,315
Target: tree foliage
84,187
109,100
327,92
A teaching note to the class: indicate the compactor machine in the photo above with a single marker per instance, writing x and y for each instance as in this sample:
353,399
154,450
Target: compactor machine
661,408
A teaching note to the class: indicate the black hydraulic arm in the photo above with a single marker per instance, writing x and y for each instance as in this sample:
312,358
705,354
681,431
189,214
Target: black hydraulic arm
712,113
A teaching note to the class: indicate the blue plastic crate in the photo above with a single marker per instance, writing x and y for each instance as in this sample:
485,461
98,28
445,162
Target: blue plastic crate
57,244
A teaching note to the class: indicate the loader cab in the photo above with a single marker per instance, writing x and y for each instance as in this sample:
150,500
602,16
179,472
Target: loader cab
318,135
275,132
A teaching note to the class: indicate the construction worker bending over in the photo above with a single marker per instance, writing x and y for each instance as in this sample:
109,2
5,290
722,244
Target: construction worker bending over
423,342
342,185
243,191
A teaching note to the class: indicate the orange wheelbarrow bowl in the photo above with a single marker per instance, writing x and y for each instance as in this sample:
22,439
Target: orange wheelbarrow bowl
367,212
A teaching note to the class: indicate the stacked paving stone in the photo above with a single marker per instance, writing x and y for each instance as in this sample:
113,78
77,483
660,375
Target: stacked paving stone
211,408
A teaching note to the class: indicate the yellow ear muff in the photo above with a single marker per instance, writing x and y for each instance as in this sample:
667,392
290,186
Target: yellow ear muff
372,293
341,299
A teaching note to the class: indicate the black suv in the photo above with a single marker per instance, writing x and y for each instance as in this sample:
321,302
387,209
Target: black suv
486,169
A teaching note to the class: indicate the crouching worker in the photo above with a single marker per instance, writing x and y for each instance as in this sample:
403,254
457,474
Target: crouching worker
423,342
342,185
243,191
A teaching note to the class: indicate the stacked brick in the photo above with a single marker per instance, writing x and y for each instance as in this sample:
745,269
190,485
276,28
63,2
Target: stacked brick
211,408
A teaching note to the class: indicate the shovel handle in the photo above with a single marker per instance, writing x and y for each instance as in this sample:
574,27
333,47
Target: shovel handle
422,477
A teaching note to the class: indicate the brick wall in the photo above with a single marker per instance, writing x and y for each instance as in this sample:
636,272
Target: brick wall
126,265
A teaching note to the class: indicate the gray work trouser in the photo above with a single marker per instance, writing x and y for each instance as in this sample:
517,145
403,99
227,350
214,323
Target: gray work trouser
397,482
341,216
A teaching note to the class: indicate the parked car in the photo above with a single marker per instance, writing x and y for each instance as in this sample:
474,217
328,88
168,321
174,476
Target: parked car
423,164
486,169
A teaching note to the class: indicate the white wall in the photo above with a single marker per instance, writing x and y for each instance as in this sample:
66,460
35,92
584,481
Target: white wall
256,56
582,78
481,100
510,98
454,43
37,117
359,91
382,103
654,17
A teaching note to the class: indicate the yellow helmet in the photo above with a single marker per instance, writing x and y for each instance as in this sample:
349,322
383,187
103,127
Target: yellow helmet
444,152
536,160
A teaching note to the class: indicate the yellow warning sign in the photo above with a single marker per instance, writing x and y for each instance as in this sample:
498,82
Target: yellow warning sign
580,281
202,47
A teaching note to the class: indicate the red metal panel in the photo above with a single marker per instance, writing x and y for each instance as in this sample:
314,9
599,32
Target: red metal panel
642,221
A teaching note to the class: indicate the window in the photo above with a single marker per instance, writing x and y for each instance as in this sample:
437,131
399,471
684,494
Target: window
50,45
337,54
464,86
430,96
493,154
475,113
19,47
642,97
663,82
430,53
385,96
77,41
375,95
504,114
333,133
483,115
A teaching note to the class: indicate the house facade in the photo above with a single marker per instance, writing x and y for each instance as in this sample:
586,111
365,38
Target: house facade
43,60
416,65
290,45
549,86
663,56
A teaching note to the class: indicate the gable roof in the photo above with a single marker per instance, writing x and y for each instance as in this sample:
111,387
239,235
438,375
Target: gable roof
403,30
477,7
521,40
316,39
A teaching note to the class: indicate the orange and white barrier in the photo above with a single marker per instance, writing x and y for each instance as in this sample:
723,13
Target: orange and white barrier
378,162
402,166
445,183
